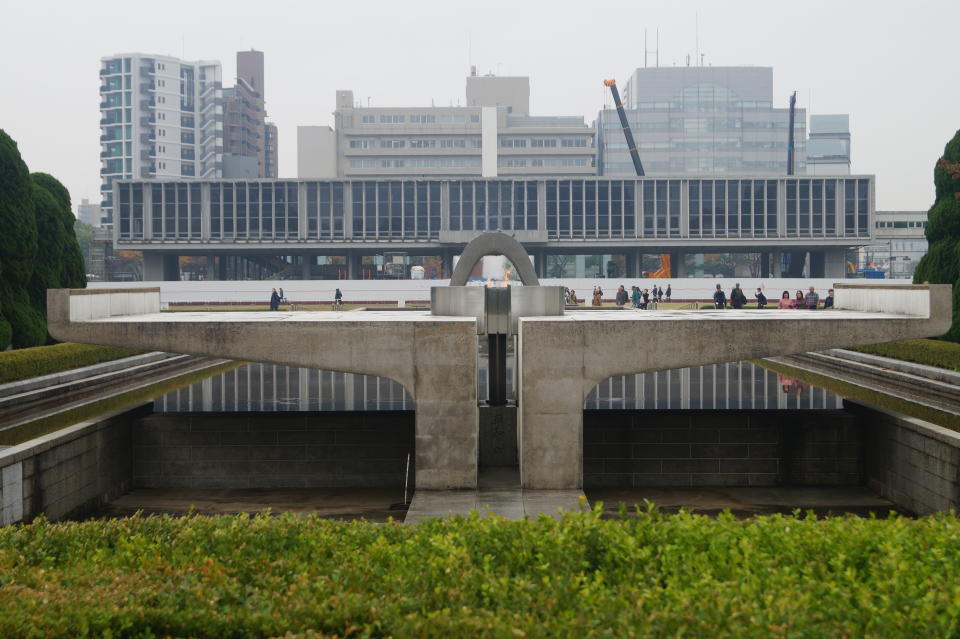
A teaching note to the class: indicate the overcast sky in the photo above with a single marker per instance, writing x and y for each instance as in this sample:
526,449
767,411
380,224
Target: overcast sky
893,66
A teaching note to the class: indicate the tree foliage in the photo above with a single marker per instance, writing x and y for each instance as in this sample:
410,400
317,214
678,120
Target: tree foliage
38,248
941,264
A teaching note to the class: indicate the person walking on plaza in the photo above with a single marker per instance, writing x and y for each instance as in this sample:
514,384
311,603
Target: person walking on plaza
828,300
737,298
659,294
635,296
785,301
338,299
274,301
719,299
761,299
669,292
812,300
621,296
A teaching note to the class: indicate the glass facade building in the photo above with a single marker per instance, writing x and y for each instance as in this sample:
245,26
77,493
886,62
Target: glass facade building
554,209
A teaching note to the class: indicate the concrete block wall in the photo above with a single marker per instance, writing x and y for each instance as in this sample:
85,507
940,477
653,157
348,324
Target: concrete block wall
273,450
69,473
913,463
673,448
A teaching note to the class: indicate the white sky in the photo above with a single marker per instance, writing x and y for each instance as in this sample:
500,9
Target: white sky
891,65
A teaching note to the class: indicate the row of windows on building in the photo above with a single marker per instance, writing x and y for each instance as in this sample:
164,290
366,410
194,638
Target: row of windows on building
902,224
701,124
708,145
575,208
415,163
417,143
419,118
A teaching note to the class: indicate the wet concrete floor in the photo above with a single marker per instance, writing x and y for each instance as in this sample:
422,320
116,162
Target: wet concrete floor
748,502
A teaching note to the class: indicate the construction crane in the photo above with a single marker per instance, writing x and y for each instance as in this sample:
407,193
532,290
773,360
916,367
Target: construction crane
626,126
793,114
664,270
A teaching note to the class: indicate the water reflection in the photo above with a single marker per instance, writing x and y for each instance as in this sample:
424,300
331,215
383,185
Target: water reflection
735,385
268,387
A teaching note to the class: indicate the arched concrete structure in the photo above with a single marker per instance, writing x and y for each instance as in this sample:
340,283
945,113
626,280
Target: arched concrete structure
434,360
563,358
494,244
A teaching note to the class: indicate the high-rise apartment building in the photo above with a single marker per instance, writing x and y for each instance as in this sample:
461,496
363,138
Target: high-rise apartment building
702,120
493,136
246,133
159,117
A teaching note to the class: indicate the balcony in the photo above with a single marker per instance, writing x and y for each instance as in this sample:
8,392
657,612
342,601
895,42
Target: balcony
146,72
146,104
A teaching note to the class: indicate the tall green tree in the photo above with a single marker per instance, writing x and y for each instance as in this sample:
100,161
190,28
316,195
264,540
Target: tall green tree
72,273
21,324
941,264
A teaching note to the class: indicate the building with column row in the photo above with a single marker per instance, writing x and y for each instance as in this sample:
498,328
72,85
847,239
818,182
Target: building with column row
163,117
289,224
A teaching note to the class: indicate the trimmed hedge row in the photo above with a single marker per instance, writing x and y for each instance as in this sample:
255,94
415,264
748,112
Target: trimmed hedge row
44,360
931,352
650,575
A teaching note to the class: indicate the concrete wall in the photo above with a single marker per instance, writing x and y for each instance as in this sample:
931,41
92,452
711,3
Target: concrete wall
631,449
913,463
273,450
316,152
68,473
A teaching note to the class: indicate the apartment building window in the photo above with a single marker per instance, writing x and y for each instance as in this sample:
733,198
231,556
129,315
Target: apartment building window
571,143
361,164
387,118
367,119
361,144
422,118
543,143
459,163
392,144
571,162
423,144
475,117
543,163
513,163
513,143
453,144
476,143
452,118
392,164
420,163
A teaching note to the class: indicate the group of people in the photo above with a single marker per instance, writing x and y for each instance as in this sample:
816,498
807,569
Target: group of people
277,298
641,298
738,299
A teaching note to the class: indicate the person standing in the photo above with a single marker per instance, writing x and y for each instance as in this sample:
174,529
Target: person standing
812,300
645,303
828,300
719,299
737,298
785,301
635,296
659,294
761,299
621,296
274,301
669,292
338,299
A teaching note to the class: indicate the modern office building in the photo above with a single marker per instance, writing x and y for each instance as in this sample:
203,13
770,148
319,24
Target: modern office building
899,243
246,133
701,120
160,117
828,149
285,227
493,136
88,213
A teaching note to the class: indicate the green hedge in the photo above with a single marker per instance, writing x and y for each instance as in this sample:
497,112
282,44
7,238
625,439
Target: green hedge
652,575
931,352
44,360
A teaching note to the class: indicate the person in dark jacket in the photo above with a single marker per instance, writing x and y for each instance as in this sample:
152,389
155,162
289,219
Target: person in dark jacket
737,298
761,299
621,296
828,300
669,292
719,298
635,296
274,301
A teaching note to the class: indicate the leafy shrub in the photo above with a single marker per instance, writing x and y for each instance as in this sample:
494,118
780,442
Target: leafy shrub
922,351
651,575
44,360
